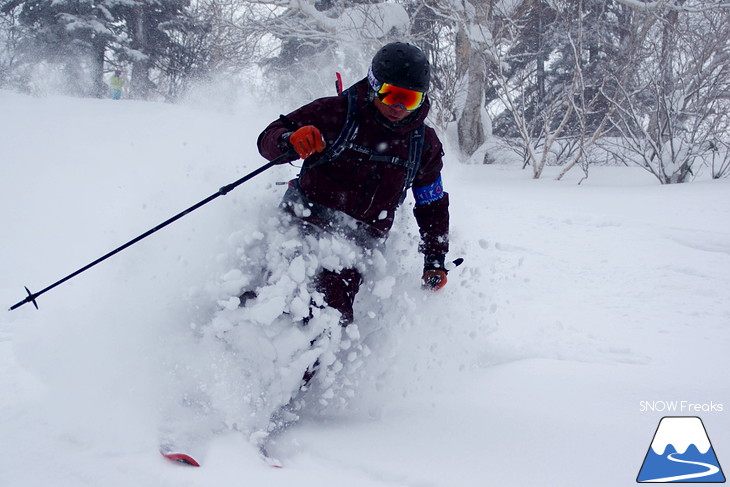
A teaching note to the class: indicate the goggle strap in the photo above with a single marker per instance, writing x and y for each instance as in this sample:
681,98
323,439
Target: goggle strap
375,84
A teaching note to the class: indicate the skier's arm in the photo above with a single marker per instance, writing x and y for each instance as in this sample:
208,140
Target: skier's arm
276,139
432,213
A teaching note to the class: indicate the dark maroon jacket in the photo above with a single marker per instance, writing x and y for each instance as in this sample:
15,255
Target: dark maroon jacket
366,190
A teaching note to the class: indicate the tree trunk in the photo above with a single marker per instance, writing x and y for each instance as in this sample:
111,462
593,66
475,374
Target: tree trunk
140,78
470,126
97,70
540,74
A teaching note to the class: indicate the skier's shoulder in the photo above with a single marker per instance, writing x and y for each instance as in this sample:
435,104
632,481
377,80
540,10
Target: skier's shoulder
326,105
432,143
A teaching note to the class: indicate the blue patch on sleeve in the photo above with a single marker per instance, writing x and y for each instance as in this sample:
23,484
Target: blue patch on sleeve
429,194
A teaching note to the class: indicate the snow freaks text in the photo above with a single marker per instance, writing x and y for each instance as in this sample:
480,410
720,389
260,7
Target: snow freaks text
683,407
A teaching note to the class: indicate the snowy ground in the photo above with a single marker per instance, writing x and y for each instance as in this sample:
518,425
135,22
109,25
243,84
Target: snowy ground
575,304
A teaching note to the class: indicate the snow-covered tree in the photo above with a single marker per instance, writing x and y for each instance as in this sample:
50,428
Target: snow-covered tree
211,43
80,36
11,33
542,100
148,31
72,34
673,117
434,30
343,35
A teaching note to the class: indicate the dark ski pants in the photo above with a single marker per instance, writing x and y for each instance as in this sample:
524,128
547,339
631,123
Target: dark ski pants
339,290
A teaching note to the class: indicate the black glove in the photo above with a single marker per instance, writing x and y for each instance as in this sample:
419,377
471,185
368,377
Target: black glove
434,272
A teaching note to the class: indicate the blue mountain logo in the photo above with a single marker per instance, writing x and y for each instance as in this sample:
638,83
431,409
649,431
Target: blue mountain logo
681,452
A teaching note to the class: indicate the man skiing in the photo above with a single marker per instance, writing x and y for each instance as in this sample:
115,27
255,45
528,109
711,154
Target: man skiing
362,151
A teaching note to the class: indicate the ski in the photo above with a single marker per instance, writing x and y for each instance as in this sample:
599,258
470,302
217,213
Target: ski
262,444
188,448
183,458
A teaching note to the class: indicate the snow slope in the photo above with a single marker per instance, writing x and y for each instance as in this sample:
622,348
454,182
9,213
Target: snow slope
576,307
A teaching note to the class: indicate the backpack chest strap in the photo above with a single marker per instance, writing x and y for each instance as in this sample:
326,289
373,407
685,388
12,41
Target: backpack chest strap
376,156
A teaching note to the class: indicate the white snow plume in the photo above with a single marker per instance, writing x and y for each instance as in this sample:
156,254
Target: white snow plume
270,326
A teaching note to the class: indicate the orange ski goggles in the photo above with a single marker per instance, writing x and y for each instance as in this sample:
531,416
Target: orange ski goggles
392,95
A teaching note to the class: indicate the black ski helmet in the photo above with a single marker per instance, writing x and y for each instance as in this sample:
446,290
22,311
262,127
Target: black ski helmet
402,64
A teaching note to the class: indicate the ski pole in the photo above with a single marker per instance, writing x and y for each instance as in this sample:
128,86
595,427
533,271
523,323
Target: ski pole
31,298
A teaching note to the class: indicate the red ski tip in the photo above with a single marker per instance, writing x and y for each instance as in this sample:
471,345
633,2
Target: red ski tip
181,458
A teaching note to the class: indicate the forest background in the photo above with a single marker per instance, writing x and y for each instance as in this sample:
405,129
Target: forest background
569,83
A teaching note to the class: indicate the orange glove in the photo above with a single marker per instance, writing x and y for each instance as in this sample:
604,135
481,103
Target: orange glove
307,140
434,279
434,272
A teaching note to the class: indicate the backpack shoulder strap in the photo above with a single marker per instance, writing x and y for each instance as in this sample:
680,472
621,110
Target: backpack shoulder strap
415,152
347,134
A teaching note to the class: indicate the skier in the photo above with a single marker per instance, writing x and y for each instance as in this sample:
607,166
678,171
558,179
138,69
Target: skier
362,151
116,83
